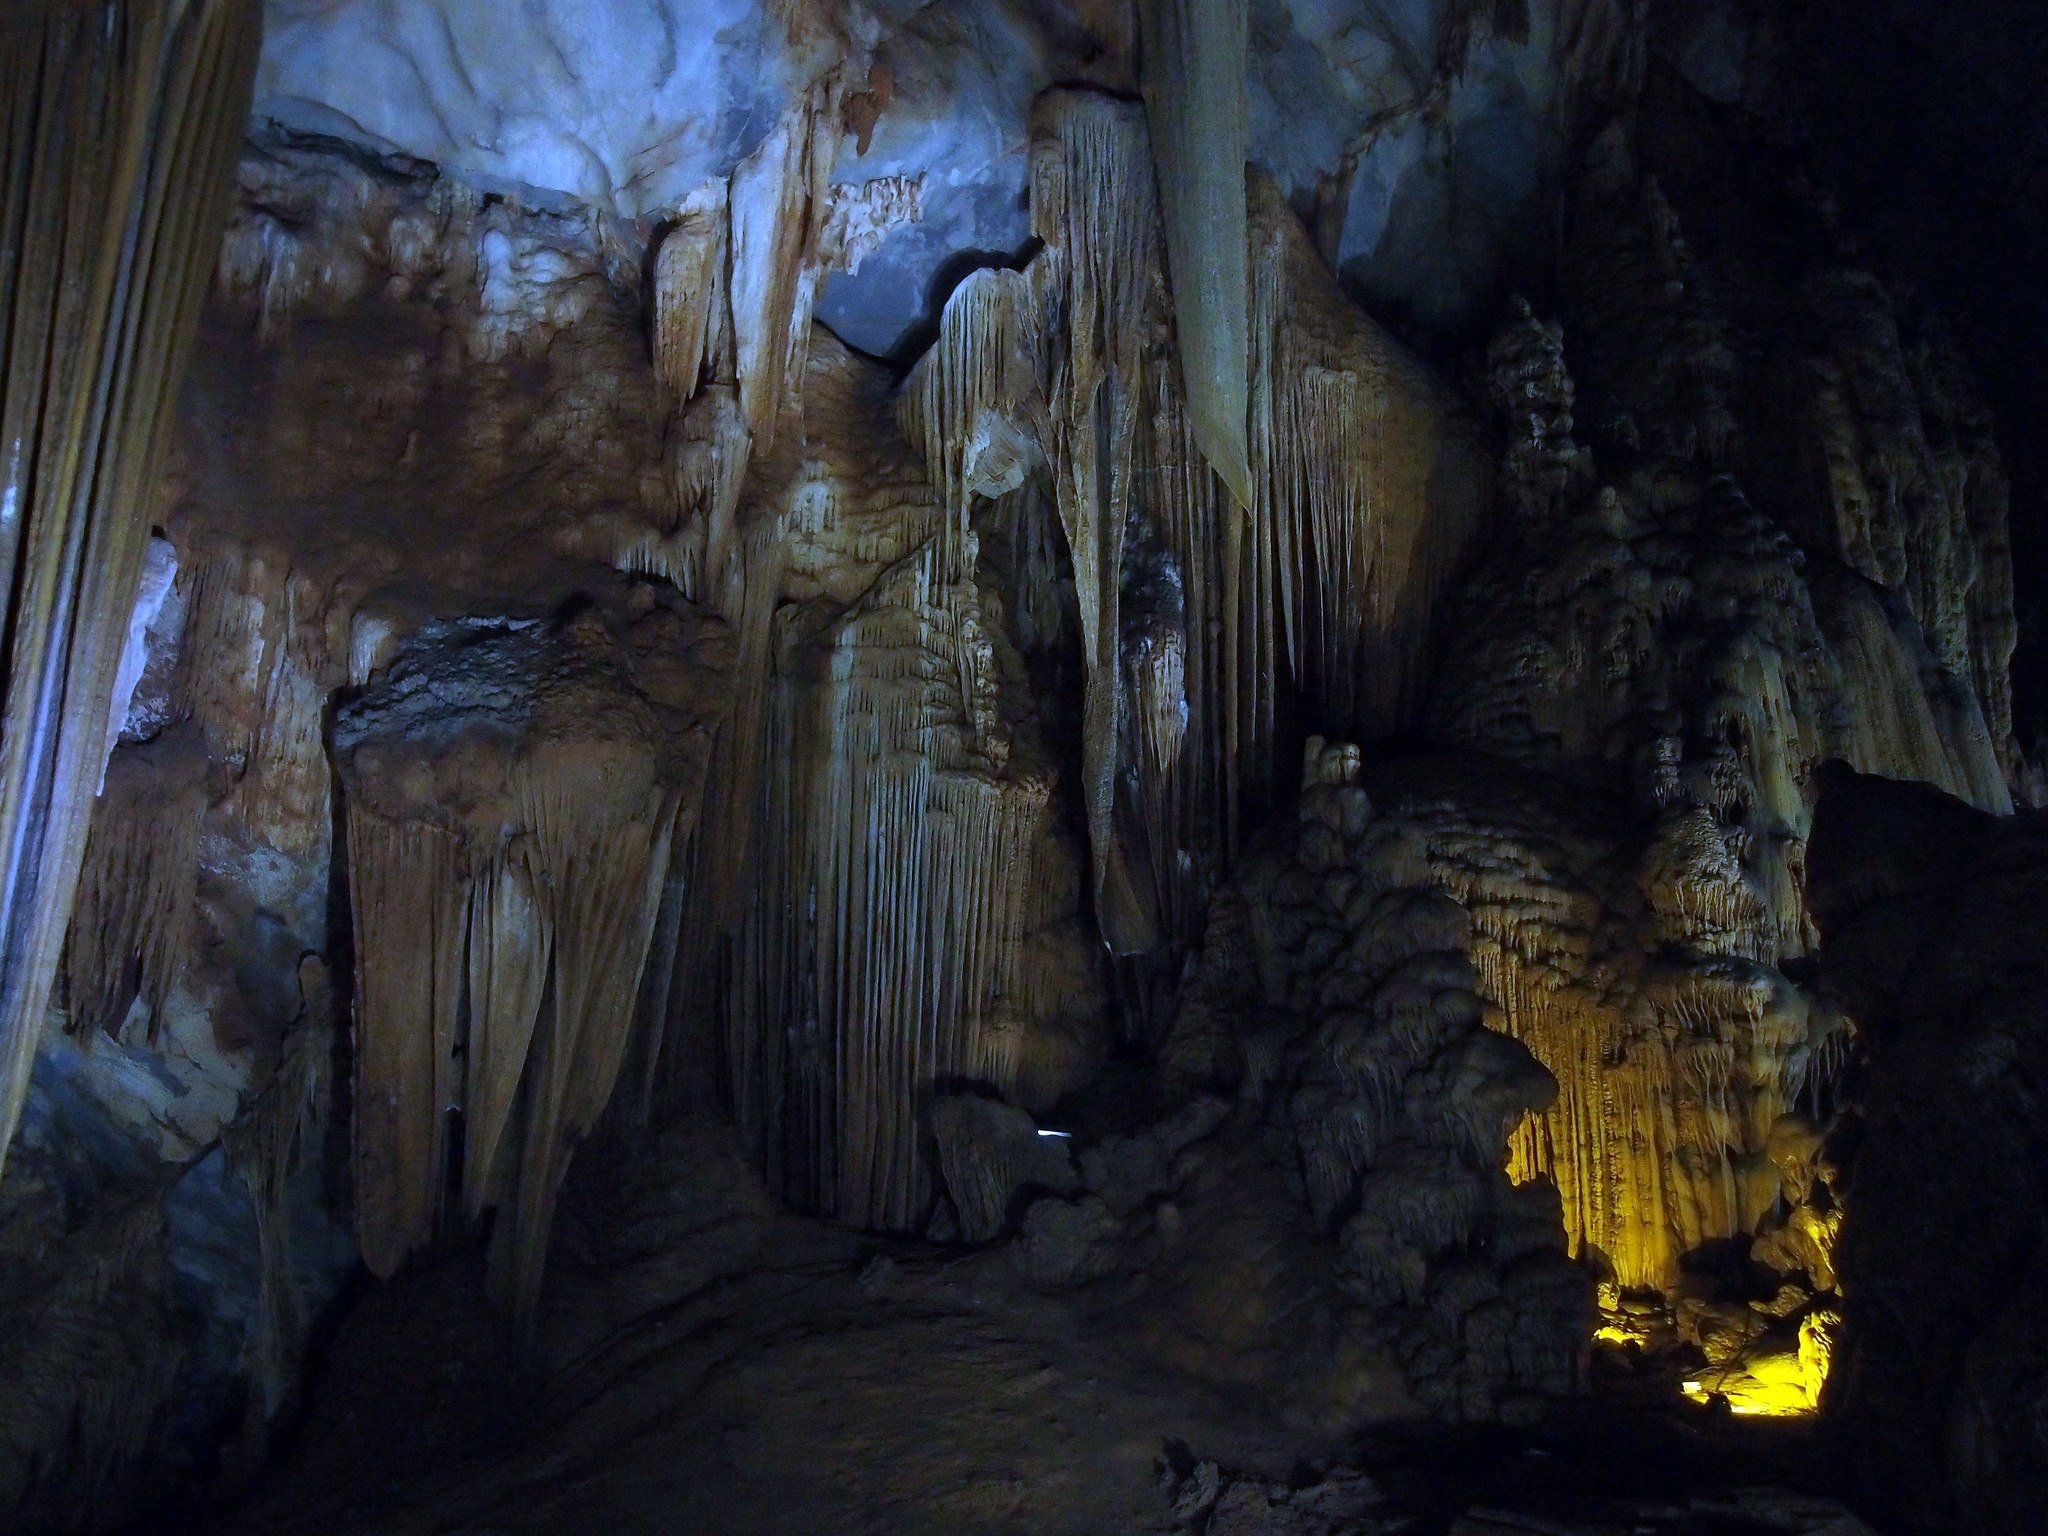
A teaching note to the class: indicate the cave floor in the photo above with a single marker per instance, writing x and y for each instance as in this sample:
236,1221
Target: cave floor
707,1364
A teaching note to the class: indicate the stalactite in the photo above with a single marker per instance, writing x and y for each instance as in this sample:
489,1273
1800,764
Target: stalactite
972,406
1191,800
605,889
905,848
507,980
1369,491
1195,100
1091,205
690,291
405,888
1198,614
1918,492
779,200
1642,976
512,797
1898,717
117,147
132,923
855,930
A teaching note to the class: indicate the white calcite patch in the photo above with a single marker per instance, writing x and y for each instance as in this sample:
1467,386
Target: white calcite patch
147,636
621,104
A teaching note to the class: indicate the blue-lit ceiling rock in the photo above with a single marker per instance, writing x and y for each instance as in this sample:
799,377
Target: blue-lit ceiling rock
960,77
625,105
1422,135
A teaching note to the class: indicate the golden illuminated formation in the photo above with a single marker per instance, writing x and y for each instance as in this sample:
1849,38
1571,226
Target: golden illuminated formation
1775,1382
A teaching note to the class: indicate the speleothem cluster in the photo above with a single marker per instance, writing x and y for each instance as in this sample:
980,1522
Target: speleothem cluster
810,620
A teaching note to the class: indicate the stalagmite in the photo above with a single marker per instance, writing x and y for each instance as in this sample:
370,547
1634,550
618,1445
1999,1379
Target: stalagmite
1650,633
117,146
1335,991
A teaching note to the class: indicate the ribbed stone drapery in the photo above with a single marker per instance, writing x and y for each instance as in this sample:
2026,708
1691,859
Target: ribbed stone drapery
120,124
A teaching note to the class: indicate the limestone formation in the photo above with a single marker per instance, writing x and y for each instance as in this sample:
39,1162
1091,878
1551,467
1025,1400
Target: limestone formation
1653,637
119,137
995,610
1333,1169
514,793
1336,995
1198,611
1195,100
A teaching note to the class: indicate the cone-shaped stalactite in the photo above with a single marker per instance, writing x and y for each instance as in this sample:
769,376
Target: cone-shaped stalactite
1196,104
119,128
1091,204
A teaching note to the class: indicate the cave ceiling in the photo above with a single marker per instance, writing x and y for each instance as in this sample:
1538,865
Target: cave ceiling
1423,133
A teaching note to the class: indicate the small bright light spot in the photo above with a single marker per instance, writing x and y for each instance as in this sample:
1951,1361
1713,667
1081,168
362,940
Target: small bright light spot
1063,1135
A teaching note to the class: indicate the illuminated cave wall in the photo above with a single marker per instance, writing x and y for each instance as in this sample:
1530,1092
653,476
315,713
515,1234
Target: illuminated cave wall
763,571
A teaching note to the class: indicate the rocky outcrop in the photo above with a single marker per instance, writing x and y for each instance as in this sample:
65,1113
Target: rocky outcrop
1930,916
1324,1216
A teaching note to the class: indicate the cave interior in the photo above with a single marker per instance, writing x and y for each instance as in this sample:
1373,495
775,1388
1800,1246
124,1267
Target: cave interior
1075,767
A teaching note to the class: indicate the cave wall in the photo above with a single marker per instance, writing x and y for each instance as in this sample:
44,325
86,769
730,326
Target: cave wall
1930,912
1666,658
812,614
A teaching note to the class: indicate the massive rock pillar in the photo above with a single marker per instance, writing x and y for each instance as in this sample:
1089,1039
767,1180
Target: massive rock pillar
119,125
